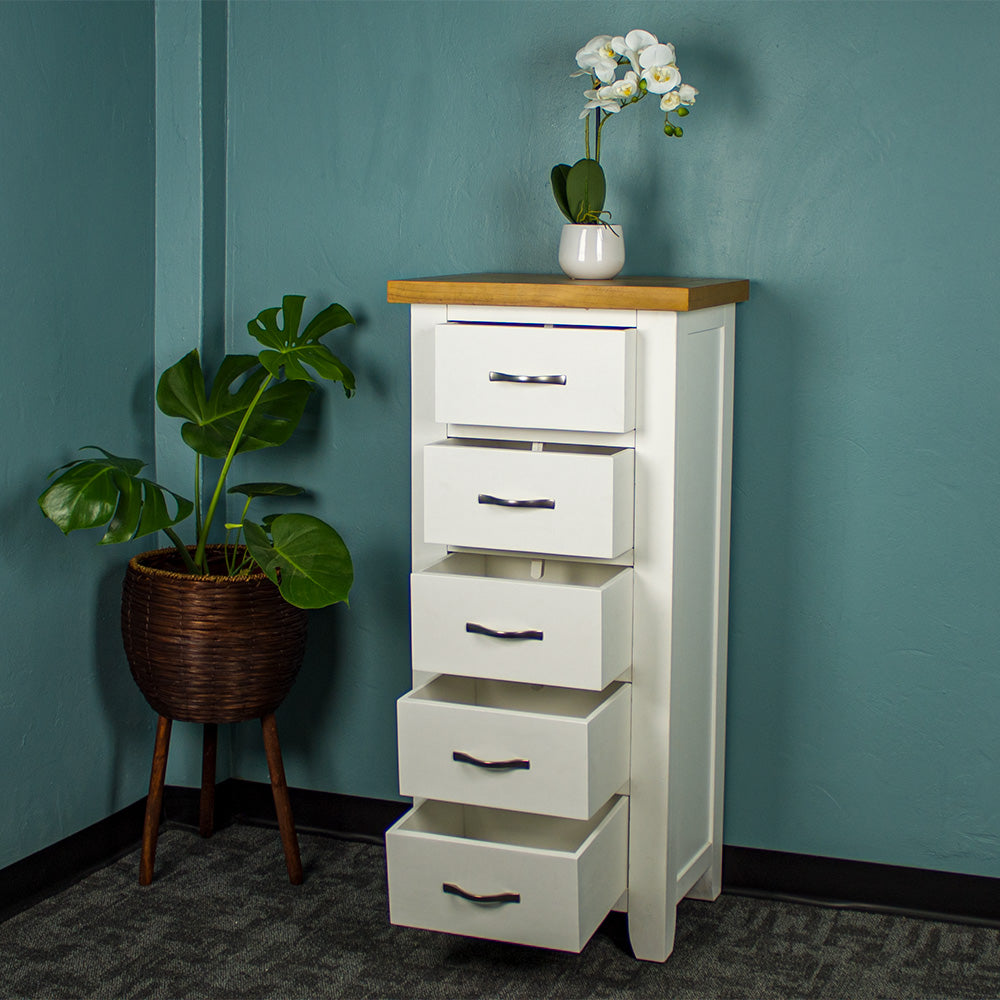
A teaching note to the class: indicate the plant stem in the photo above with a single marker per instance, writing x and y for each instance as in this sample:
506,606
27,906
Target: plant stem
183,550
199,556
597,138
197,495
586,136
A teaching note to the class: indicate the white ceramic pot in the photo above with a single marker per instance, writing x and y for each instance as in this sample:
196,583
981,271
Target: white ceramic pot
591,251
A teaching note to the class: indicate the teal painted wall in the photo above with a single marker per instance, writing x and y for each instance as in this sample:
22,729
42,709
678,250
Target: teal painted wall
190,253
76,269
843,157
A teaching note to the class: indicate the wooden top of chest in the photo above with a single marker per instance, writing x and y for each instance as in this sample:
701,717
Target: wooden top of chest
555,290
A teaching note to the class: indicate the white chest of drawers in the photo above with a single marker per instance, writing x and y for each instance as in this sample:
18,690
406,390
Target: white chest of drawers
564,740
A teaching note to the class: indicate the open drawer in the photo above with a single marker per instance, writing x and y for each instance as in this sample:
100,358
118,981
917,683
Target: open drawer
507,876
485,616
564,500
514,746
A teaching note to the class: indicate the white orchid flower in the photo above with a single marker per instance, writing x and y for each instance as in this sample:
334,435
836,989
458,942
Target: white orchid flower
621,90
658,69
638,39
600,99
598,58
632,45
684,94
658,54
670,101
687,94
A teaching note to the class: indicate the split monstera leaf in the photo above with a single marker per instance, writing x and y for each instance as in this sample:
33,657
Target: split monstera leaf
254,401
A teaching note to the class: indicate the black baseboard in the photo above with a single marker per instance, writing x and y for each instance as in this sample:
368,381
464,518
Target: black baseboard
746,871
862,885
51,869
327,813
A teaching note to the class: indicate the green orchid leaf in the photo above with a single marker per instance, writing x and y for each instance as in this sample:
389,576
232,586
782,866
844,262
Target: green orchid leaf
305,557
266,490
93,492
285,348
559,173
213,420
585,190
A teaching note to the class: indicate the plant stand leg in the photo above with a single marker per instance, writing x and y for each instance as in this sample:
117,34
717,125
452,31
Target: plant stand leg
206,806
289,840
154,801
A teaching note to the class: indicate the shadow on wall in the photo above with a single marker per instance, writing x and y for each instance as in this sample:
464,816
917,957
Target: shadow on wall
766,558
328,689
129,719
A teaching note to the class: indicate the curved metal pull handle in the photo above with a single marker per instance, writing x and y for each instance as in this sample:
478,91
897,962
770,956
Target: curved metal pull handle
528,379
515,764
503,502
530,633
495,897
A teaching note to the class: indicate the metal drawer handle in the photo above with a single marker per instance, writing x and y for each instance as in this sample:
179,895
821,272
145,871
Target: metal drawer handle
530,633
528,379
516,764
502,502
496,897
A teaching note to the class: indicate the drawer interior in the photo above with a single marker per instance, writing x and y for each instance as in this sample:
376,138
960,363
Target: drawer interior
500,826
557,571
557,449
536,699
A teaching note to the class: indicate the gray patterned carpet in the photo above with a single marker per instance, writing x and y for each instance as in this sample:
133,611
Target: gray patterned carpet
221,921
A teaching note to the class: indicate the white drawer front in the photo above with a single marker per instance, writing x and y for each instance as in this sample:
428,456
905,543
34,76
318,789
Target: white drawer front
559,878
484,616
514,746
581,499
558,378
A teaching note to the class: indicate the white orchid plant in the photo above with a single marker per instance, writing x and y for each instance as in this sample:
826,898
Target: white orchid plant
623,71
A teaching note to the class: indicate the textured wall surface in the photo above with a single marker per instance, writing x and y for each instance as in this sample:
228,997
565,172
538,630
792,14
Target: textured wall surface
76,269
842,156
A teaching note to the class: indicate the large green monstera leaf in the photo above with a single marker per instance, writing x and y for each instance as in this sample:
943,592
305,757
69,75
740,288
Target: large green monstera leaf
297,353
93,492
213,420
304,556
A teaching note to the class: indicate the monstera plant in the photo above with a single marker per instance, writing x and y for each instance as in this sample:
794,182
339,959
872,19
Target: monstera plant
253,401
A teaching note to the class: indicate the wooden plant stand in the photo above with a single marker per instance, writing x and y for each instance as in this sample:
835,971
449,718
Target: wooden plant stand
206,819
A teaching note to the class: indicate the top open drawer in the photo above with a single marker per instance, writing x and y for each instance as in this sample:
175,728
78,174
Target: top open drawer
557,378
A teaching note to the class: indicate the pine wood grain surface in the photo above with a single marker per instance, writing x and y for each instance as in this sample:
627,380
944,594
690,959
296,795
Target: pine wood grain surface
555,290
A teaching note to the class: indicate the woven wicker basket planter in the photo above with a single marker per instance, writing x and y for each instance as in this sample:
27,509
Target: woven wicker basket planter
208,648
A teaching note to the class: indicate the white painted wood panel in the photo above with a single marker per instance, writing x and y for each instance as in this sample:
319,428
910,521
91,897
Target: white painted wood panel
683,440
564,378
544,434
566,874
542,315
423,427
565,751
570,628
588,495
